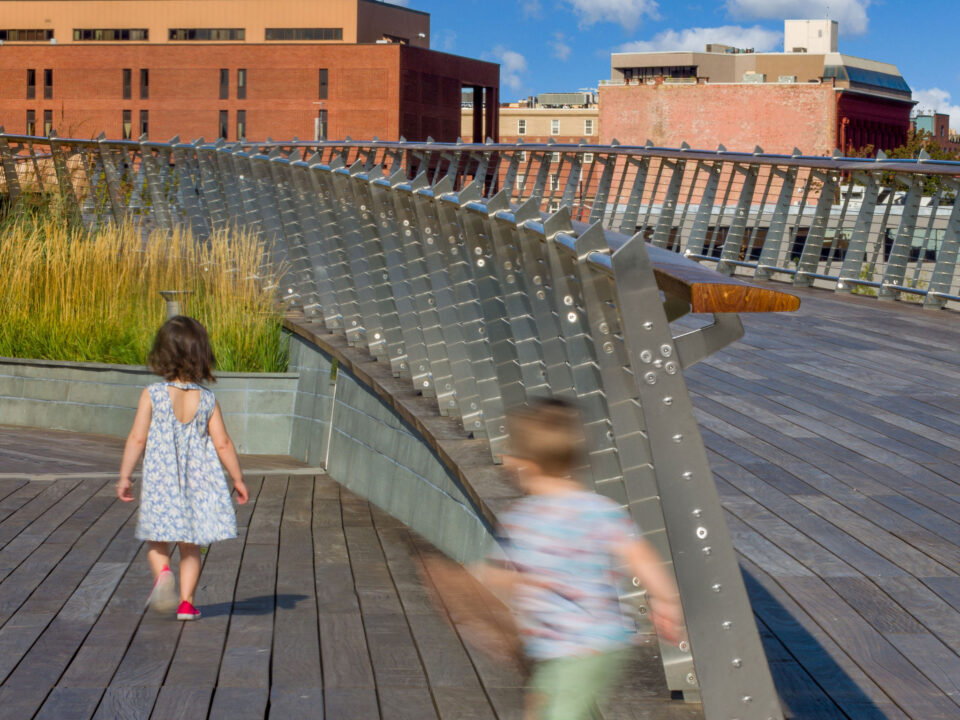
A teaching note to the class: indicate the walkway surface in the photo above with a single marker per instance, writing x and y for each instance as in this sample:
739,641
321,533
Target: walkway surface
316,611
834,436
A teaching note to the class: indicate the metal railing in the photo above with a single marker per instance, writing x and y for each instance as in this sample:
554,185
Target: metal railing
886,228
484,298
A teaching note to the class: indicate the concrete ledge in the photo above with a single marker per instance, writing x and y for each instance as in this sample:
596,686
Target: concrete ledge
102,398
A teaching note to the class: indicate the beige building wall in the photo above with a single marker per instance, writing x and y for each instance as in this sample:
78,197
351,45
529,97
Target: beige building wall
563,124
361,20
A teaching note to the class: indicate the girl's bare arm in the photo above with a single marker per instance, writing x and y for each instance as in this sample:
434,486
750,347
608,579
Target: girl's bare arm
665,611
136,442
227,453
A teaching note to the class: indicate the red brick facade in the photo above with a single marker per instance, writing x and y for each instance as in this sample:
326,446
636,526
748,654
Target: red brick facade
379,90
741,116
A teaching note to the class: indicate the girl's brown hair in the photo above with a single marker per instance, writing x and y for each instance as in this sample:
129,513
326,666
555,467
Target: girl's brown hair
549,433
181,351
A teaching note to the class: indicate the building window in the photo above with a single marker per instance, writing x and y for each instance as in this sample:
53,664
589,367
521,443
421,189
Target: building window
321,130
31,84
110,35
241,124
521,126
127,124
26,35
588,126
555,126
521,179
47,122
303,34
144,122
224,119
554,206
127,83
587,158
31,122
242,84
144,84
186,34
224,83
554,182
523,156
47,84
323,85
555,157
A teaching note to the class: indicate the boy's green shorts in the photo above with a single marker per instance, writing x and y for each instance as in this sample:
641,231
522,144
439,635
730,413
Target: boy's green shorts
569,687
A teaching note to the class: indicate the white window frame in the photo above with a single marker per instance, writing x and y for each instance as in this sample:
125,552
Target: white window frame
520,181
554,126
555,157
521,126
587,158
523,156
588,126
554,206
554,181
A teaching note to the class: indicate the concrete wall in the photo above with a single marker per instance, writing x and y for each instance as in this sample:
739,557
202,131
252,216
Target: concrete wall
102,399
376,454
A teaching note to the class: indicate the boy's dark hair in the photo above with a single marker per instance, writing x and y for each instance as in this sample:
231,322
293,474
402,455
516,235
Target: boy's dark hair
181,351
549,433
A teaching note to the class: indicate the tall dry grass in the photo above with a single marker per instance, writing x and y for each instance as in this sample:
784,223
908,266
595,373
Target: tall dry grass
70,295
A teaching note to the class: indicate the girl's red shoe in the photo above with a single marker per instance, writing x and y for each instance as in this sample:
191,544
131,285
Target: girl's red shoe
187,611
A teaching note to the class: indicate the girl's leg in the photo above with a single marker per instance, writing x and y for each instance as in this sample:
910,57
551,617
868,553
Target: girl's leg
159,556
189,570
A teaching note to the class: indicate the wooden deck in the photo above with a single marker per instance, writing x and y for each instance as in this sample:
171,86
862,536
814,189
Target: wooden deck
834,436
316,611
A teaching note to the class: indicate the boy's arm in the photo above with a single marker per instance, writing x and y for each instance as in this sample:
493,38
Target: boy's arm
136,441
665,611
227,453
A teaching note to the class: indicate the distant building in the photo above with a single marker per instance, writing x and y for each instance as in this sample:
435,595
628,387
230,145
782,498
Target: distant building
565,118
811,97
232,69
938,126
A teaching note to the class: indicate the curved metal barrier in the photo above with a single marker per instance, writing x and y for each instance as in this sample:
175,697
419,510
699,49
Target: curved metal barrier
410,252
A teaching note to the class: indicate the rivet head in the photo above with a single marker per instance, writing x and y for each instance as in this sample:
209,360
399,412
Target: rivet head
701,532
481,262
426,383
658,363
668,400
572,317
737,662
427,231
666,350
747,699
691,679
406,223
678,438
478,250
697,512
716,587
671,368
651,378
568,300
510,279
684,646
646,356
707,550
687,475
648,325
537,280
636,581
508,265
608,348
541,295
726,625
604,328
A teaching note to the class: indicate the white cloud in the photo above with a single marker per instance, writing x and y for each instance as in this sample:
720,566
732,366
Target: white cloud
937,100
756,37
624,12
444,40
561,49
850,14
531,8
513,66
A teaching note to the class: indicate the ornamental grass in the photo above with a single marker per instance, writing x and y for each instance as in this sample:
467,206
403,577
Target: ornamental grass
67,294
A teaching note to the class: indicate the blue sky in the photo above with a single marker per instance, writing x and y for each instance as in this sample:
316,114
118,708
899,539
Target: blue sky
559,45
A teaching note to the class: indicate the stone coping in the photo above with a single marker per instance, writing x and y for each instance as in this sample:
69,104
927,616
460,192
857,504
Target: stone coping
131,369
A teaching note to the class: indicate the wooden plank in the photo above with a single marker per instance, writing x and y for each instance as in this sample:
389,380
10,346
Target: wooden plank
346,660
350,703
239,703
399,703
176,702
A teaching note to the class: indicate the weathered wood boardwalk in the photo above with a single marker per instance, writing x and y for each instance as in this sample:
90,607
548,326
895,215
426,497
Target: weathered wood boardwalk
316,611
834,436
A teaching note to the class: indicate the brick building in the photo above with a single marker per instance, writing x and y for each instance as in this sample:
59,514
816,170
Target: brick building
310,69
938,126
813,97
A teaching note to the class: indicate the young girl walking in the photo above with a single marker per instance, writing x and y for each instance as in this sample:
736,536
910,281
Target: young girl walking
184,497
